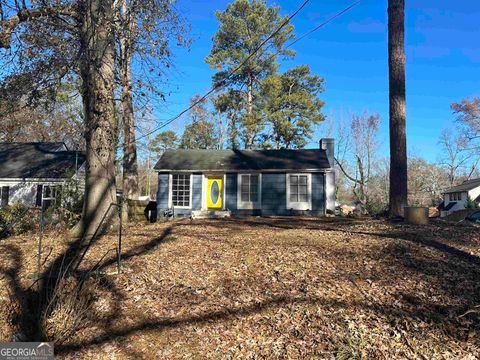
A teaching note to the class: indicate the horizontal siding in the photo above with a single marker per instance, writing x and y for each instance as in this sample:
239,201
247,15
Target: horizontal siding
231,191
162,193
318,192
197,180
274,193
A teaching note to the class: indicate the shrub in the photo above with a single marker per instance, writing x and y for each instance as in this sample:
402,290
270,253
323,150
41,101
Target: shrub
470,204
16,219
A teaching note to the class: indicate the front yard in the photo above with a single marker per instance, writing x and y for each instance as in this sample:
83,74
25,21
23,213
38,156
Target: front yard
272,288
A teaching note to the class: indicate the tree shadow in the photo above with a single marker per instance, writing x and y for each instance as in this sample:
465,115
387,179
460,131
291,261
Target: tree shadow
452,273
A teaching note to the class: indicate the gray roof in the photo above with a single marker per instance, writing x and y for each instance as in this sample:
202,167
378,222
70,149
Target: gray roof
465,186
238,160
38,160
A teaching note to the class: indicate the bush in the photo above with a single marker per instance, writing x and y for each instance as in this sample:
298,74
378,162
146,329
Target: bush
470,204
17,219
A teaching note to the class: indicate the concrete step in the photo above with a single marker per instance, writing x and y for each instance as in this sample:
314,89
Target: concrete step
210,214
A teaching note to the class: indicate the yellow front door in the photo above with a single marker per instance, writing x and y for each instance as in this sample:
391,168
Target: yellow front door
215,192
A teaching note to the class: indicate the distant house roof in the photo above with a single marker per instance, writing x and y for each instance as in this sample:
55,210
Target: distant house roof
240,160
38,160
465,186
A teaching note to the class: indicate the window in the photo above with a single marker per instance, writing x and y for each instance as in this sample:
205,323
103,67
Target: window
181,190
4,194
48,195
299,192
249,191
456,196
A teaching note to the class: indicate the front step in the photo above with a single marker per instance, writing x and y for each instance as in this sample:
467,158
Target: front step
210,214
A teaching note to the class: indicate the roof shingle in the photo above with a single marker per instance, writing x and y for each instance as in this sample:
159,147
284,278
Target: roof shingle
38,160
238,160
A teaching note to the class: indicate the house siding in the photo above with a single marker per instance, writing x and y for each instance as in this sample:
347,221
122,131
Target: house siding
162,193
197,180
274,201
318,192
274,194
25,191
231,191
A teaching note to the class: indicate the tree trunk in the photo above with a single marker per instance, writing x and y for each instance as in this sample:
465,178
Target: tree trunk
130,167
97,72
249,124
398,137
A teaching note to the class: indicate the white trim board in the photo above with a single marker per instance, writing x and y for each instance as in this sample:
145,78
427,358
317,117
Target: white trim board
170,191
299,205
250,205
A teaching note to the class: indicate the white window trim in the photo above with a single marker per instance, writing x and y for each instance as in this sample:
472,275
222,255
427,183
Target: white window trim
170,191
300,205
249,205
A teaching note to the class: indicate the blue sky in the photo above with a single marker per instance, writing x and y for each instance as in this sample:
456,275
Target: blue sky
442,50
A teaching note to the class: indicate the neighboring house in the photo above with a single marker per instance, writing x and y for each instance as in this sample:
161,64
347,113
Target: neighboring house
247,182
455,198
32,173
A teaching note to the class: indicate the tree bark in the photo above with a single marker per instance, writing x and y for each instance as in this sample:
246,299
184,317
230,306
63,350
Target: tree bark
130,166
97,73
398,137
249,140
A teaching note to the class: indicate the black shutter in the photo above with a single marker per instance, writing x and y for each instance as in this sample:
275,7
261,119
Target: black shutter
5,194
39,195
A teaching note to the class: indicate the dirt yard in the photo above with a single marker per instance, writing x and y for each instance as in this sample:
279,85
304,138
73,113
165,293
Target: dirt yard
269,288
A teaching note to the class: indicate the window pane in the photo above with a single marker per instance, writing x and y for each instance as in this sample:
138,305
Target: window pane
180,190
244,196
293,197
254,196
303,198
302,189
293,179
303,180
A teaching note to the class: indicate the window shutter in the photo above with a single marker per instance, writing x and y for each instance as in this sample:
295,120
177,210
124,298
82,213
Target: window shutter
39,195
5,194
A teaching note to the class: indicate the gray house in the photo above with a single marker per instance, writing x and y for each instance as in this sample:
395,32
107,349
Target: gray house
246,182
32,173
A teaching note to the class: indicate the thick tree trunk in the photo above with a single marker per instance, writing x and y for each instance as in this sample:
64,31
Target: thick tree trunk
97,72
398,137
130,166
249,125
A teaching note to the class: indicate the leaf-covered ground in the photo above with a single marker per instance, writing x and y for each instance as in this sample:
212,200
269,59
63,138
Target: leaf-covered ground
276,288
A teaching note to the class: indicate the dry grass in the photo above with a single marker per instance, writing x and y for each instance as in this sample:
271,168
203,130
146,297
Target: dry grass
274,288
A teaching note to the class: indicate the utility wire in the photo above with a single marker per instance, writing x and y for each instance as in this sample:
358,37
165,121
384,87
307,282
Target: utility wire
232,72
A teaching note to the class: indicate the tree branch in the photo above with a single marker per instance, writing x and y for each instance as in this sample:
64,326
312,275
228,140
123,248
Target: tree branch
24,15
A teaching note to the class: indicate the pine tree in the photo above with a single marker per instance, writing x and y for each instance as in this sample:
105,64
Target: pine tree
244,25
398,133
291,106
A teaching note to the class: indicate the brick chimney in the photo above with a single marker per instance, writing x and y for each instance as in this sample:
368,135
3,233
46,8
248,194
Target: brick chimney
328,144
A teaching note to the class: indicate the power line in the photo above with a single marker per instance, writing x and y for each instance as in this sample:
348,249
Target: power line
216,87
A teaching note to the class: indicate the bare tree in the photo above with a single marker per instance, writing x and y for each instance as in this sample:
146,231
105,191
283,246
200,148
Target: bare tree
398,136
456,156
357,146
468,116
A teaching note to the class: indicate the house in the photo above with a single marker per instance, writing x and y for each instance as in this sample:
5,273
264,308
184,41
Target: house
32,173
455,198
246,182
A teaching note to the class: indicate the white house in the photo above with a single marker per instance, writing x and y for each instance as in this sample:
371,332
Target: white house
32,173
455,198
